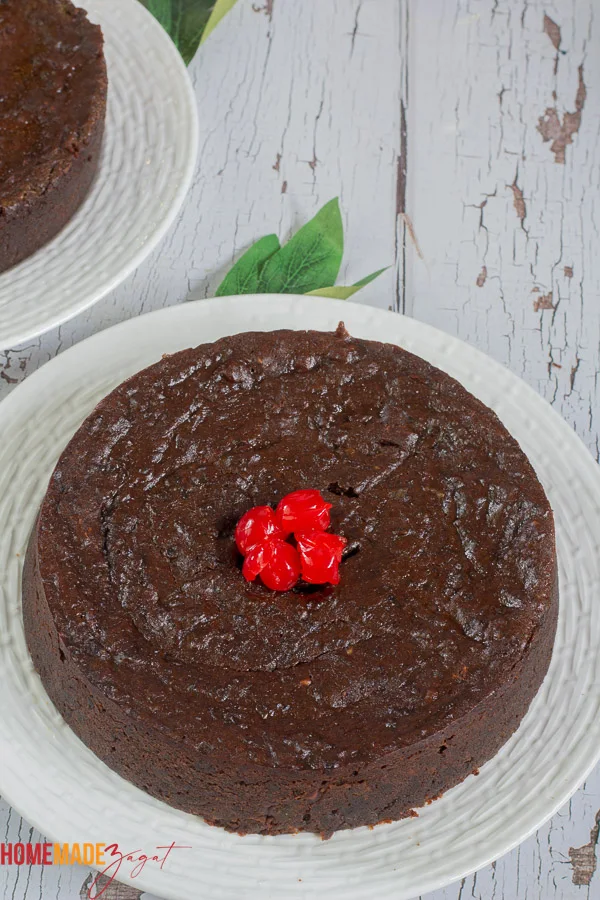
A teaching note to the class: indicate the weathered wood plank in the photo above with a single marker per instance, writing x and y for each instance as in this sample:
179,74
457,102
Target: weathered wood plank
508,231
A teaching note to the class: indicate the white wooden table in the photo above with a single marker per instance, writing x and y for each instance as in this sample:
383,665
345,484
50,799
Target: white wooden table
463,138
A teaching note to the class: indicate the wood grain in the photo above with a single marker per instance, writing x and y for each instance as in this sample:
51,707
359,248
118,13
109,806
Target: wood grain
462,138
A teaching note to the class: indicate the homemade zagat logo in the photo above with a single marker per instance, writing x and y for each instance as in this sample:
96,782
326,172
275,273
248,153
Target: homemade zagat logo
108,858
52,854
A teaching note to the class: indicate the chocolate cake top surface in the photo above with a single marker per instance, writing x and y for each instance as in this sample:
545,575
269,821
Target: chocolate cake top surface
450,567
52,91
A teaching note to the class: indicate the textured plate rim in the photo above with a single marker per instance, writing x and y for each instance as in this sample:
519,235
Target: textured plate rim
103,288
273,308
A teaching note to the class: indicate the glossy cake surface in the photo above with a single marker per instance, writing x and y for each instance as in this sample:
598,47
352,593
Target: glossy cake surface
318,708
52,105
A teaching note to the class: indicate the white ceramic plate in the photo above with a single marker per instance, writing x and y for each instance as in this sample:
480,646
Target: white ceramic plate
66,792
147,162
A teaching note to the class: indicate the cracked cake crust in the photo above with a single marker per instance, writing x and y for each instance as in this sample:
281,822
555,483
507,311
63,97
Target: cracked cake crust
313,709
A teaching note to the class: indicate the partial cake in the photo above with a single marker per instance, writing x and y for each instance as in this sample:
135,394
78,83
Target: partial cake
52,105
318,708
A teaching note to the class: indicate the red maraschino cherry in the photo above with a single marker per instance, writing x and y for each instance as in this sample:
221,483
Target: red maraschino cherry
255,526
262,537
303,511
277,563
320,556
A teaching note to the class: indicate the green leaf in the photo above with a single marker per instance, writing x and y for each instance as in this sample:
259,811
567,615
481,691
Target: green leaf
243,278
311,259
220,9
342,292
188,22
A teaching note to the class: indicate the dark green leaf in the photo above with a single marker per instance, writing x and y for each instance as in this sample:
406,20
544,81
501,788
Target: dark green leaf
342,292
186,21
311,259
243,278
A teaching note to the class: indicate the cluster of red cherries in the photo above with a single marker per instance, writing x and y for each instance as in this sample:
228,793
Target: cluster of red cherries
290,543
